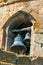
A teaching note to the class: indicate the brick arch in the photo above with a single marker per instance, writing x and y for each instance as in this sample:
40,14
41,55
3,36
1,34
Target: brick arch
33,13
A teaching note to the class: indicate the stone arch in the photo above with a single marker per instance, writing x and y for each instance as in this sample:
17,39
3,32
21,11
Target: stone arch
33,13
19,18
8,18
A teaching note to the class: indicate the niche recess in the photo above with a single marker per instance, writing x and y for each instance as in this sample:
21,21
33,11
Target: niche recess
22,29
19,23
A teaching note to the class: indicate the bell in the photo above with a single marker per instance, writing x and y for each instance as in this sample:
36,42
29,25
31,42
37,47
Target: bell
18,45
27,37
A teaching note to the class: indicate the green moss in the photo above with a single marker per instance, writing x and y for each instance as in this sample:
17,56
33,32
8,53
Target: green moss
4,0
3,48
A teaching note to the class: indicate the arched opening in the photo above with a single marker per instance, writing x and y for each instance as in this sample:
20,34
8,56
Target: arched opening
20,24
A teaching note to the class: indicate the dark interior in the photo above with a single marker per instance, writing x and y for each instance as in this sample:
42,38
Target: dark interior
21,25
23,33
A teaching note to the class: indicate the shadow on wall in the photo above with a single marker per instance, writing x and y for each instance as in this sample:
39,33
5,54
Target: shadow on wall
24,0
19,14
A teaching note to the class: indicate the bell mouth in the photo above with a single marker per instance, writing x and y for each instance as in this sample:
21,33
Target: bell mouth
26,40
16,49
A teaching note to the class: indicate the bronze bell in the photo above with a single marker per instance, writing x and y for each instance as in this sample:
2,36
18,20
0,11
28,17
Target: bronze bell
27,37
18,45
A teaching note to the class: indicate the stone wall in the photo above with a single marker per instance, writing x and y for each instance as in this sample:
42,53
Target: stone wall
8,58
7,10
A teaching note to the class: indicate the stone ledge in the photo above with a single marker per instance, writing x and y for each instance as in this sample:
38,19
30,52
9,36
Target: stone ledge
2,3
7,58
32,3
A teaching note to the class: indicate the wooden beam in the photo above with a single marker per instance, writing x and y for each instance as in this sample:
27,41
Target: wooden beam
23,29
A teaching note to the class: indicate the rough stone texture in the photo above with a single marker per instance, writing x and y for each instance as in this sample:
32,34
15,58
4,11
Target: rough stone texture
7,58
9,9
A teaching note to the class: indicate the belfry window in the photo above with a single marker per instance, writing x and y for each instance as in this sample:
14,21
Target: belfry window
22,34
18,33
